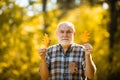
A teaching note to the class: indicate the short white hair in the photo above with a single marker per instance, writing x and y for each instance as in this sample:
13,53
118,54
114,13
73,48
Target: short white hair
66,23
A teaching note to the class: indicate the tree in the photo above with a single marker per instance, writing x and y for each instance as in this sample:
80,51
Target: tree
44,3
66,4
17,44
113,26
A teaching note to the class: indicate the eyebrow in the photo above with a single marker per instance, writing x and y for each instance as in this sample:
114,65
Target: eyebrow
66,30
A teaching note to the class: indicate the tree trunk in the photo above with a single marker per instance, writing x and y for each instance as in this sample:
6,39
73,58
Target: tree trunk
44,5
112,27
66,4
45,15
114,15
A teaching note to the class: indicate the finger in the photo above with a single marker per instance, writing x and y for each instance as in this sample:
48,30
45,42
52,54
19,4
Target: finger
42,51
88,46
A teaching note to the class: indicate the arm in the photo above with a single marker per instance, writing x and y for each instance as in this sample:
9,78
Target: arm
90,66
44,72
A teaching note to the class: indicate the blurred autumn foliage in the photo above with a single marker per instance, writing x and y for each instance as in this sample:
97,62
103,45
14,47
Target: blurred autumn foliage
21,35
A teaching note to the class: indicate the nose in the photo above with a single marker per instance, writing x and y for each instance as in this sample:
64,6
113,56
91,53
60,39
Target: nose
64,34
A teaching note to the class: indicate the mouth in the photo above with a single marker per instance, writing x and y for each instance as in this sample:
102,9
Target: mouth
65,39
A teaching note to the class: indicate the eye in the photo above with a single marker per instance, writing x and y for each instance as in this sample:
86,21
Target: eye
61,31
69,31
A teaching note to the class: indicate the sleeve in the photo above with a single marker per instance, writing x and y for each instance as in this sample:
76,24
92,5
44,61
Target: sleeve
83,60
48,58
82,51
83,64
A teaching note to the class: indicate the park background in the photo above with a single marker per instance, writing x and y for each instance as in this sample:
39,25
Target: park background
24,23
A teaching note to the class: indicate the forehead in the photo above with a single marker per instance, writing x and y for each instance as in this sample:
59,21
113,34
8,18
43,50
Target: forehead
65,26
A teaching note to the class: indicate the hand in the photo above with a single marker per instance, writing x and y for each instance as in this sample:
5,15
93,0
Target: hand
42,52
88,48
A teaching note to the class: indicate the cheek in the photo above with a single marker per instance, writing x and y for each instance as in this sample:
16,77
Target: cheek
70,35
60,35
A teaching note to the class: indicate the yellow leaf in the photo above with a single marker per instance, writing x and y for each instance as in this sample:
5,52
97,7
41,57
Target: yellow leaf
85,36
46,40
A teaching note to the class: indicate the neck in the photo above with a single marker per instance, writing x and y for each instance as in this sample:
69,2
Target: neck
65,47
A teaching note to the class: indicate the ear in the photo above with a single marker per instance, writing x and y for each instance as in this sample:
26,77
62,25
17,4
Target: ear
74,33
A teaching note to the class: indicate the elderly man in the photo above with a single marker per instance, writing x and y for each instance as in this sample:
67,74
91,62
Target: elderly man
67,60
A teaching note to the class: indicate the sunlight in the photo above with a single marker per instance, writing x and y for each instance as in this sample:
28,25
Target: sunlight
22,3
28,28
30,13
1,12
77,2
105,5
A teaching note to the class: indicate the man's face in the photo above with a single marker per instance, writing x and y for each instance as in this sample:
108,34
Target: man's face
65,35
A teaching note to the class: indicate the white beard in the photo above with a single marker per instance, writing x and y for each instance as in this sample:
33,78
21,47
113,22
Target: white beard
65,42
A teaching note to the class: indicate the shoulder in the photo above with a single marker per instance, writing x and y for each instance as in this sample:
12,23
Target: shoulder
75,45
79,48
53,46
52,49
